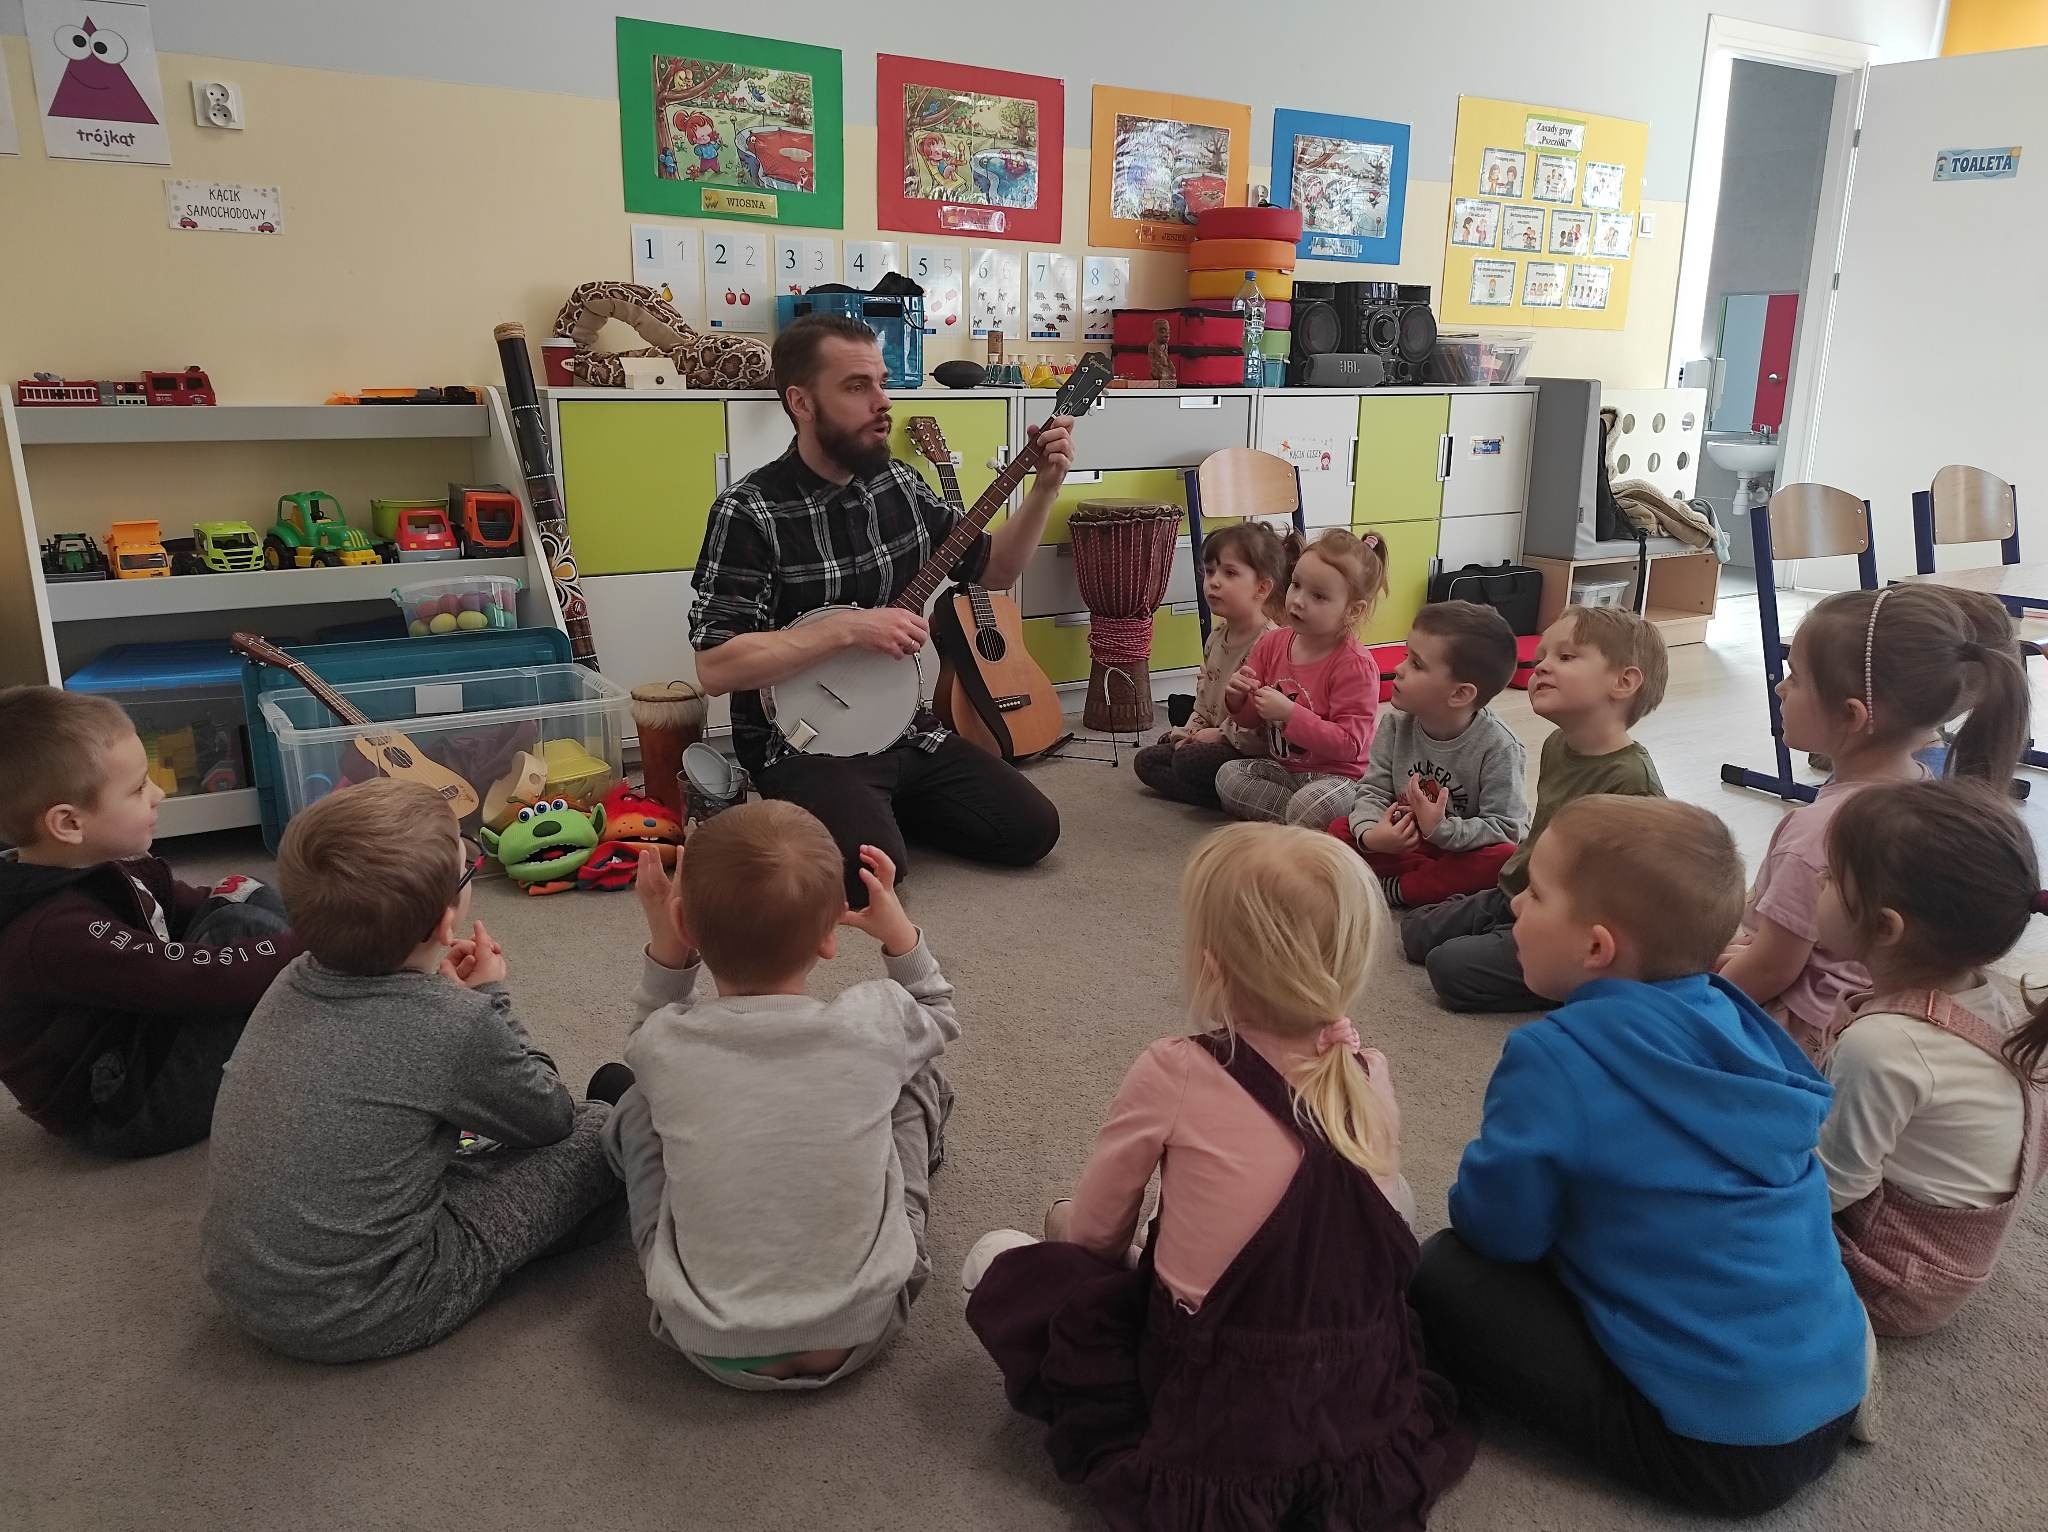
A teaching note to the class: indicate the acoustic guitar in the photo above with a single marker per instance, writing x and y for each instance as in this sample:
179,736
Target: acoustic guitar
391,753
858,702
991,692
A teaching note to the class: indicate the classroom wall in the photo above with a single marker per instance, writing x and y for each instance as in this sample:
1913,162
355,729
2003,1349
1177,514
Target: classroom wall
1988,26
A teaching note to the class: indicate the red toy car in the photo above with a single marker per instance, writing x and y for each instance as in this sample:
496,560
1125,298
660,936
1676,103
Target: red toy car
424,535
188,387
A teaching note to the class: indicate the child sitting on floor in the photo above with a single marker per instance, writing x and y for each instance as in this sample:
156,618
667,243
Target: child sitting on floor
122,990
1310,689
1871,674
1940,1121
1640,1260
1600,671
778,1150
1245,575
1271,1294
344,1220
1442,805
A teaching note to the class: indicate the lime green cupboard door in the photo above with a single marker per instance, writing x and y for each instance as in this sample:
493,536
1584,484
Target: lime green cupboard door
1411,546
975,429
639,478
1161,486
1400,452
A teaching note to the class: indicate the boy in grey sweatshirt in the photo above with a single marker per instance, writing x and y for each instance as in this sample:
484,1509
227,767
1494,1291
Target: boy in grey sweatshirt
343,1220
1442,803
778,1150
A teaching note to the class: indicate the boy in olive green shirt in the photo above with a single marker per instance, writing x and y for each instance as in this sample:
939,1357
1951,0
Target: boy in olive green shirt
1600,671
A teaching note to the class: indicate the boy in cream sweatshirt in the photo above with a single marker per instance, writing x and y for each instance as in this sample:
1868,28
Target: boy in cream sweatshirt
778,1149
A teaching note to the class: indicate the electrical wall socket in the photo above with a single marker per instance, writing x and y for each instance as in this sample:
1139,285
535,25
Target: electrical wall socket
1647,221
217,104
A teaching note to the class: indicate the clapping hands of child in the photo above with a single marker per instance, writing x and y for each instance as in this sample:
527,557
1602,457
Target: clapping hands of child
1426,803
883,919
1239,687
661,906
475,960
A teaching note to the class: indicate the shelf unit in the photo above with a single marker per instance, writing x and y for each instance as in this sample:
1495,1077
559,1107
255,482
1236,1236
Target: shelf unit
1683,587
76,619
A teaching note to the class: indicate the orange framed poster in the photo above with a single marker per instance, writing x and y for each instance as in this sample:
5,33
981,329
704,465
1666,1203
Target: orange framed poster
1156,160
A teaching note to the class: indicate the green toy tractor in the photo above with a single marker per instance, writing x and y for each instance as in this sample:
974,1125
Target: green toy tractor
220,547
311,534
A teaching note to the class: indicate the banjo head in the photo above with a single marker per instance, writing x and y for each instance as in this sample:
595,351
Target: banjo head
856,702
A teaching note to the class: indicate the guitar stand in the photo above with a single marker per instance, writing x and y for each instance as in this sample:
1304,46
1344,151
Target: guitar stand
1058,748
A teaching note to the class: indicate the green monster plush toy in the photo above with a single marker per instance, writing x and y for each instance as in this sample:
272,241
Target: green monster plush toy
542,849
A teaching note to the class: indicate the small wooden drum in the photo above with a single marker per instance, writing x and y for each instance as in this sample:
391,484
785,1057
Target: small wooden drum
669,718
1123,558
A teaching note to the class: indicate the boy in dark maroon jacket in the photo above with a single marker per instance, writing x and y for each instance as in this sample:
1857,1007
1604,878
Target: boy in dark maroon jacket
122,990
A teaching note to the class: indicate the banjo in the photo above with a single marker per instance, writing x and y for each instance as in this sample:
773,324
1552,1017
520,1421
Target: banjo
859,702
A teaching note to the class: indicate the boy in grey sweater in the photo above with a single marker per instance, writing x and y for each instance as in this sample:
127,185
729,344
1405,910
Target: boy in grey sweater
777,1149
344,1221
1442,803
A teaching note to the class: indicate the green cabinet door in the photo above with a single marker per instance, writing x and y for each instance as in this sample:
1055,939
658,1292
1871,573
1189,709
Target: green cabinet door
1411,545
638,478
975,429
1162,486
1400,449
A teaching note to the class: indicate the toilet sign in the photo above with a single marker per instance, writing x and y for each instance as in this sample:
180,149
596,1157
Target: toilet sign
2000,164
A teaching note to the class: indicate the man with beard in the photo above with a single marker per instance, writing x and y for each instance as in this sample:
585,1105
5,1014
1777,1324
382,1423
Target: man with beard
836,521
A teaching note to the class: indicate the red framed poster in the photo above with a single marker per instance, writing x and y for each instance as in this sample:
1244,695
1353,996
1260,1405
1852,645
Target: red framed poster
967,151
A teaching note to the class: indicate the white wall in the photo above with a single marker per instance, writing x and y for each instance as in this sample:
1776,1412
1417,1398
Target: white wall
1398,59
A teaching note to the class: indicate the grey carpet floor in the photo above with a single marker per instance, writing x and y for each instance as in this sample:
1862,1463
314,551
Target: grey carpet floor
128,1402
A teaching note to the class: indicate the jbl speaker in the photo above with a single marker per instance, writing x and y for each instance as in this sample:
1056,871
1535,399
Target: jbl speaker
1390,320
1316,324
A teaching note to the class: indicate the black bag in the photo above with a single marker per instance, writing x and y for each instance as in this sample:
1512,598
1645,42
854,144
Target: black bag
1513,590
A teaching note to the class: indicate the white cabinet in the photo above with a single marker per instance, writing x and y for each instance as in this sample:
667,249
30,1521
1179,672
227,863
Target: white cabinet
1142,429
1463,540
1318,433
1489,454
1048,587
641,625
757,432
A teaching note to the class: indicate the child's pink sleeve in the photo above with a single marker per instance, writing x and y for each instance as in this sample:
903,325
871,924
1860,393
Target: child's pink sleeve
1345,735
1260,663
1127,1150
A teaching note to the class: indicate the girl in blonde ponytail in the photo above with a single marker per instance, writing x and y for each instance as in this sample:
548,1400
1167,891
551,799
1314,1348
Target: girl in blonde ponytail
1273,1284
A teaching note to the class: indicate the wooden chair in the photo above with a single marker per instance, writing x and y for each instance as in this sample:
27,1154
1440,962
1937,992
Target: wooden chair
1802,521
1238,482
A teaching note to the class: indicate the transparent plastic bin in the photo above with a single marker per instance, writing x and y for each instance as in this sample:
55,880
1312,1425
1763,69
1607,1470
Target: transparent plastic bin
1600,592
472,723
458,603
1466,358
185,700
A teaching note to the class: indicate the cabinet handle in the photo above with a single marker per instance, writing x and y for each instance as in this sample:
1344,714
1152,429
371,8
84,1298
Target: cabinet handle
721,466
1201,402
1443,457
1071,620
1351,474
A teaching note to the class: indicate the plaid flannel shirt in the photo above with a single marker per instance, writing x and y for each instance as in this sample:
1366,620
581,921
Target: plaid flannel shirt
783,542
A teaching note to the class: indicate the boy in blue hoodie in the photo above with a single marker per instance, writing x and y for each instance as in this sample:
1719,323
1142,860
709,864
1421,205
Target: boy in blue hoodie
1640,1259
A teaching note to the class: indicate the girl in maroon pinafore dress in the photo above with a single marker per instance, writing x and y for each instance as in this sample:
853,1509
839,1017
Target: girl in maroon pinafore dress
1939,1128
1256,1365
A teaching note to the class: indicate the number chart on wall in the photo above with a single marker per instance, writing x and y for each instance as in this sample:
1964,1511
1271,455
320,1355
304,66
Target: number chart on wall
739,292
1543,216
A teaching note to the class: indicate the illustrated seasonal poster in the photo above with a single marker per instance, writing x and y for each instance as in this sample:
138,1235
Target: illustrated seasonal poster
714,124
1158,160
1349,177
1542,229
961,150
96,81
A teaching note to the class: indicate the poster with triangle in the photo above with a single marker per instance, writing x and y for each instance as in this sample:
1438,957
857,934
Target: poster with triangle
97,81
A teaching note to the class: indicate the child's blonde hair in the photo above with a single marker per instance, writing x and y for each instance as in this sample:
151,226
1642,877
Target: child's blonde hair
1284,928
52,749
1626,641
1361,558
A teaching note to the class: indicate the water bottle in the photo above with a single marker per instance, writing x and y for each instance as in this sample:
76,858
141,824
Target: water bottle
1251,303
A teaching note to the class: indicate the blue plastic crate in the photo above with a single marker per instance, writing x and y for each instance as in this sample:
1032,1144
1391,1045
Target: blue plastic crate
898,322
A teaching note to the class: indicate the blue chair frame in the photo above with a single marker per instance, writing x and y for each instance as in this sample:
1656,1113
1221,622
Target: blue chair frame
1777,651
1192,478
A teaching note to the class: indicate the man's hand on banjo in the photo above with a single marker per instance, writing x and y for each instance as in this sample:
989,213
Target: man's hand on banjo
887,630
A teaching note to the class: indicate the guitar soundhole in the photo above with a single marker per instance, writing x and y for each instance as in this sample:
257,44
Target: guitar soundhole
988,643
399,757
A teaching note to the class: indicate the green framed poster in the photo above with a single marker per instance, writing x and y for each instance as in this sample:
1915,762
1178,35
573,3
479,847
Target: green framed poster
717,125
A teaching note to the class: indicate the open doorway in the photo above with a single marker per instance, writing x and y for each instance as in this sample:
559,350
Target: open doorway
1771,161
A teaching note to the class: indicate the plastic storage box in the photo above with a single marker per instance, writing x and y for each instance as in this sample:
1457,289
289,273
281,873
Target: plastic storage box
1468,358
186,703
473,723
1600,592
458,603
898,322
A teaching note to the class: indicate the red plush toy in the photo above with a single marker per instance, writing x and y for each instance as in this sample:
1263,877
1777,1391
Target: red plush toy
628,823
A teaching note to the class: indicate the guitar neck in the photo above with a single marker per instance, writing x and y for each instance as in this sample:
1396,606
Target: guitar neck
950,552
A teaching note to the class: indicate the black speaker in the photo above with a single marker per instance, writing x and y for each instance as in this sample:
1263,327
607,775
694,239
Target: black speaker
1316,326
1389,320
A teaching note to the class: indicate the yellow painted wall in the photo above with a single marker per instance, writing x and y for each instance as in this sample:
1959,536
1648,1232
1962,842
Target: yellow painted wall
1987,26
417,216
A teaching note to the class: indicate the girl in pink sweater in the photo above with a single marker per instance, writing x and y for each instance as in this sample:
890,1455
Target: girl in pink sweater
1256,1361
1310,689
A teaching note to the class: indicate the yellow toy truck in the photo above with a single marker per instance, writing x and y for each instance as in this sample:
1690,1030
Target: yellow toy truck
136,550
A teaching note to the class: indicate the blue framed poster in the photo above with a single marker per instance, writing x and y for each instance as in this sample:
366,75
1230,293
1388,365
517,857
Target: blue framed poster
1349,177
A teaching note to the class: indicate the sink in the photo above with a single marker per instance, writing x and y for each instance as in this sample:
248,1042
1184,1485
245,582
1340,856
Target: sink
1745,455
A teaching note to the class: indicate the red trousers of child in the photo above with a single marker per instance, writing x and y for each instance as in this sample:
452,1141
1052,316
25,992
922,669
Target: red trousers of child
1428,875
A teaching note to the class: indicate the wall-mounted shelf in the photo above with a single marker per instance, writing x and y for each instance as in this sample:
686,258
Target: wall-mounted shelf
112,424
83,600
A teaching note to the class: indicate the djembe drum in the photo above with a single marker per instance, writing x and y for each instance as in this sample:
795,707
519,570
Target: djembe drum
669,718
1123,557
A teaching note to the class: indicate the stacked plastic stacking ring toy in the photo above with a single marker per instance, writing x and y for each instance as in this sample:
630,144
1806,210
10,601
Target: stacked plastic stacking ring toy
1123,558
1229,241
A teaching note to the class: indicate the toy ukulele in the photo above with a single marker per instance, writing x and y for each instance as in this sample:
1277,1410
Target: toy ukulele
391,753
991,692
